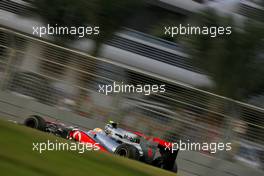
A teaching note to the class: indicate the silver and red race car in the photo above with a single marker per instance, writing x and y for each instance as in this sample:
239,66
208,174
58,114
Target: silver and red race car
112,139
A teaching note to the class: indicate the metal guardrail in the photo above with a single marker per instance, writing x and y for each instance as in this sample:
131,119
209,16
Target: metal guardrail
22,8
155,53
251,10
152,39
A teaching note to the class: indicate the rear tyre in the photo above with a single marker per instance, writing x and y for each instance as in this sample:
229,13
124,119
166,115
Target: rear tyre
167,160
127,151
166,163
175,168
36,122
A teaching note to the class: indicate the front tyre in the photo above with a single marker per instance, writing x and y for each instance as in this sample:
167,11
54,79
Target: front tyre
127,151
36,122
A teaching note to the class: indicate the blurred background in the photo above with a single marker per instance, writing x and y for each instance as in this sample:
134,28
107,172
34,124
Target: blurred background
214,86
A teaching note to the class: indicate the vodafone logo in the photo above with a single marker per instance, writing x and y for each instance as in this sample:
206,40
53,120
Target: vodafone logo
77,135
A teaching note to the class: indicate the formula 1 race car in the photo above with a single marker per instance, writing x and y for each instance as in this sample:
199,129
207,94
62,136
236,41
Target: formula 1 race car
112,139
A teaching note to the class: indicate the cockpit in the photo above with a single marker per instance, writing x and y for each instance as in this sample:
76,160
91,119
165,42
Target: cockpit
132,138
120,134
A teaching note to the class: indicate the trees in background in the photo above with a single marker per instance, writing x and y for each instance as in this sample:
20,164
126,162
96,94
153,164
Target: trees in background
234,62
109,15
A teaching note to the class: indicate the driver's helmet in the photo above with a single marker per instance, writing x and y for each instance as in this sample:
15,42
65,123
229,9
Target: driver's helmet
98,130
113,124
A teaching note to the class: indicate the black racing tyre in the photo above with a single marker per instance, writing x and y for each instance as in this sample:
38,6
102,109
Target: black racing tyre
175,168
36,122
127,151
166,162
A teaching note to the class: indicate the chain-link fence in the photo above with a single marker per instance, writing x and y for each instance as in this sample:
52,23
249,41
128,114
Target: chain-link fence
68,79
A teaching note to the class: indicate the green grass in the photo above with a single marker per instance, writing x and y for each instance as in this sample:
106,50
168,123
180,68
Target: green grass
18,158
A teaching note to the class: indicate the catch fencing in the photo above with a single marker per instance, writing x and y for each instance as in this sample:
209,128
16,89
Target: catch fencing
68,79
